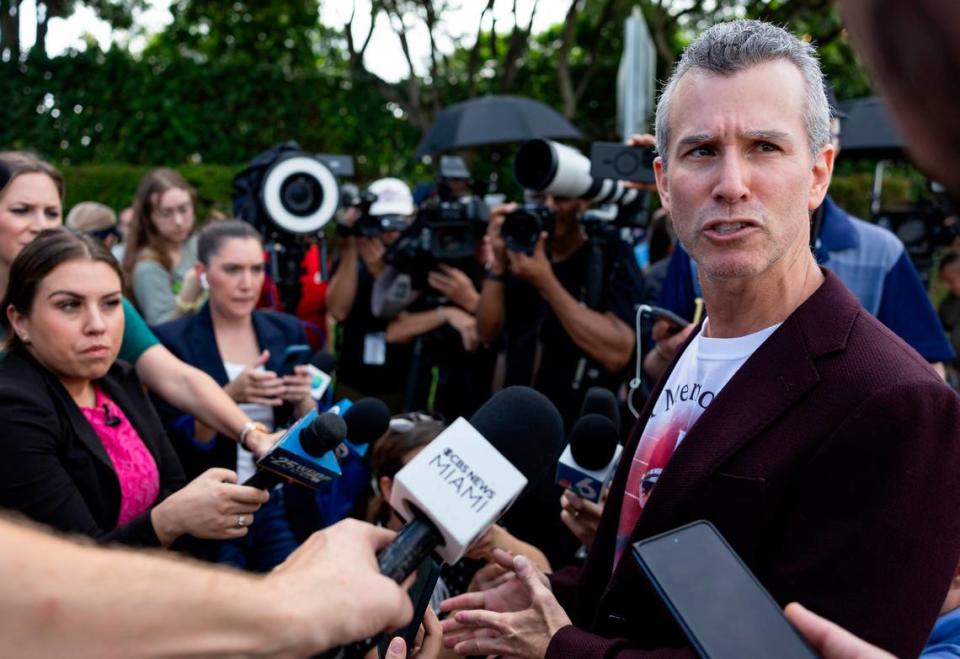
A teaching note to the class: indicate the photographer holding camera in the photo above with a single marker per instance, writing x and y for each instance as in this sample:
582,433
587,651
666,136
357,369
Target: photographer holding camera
431,290
556,338
369,364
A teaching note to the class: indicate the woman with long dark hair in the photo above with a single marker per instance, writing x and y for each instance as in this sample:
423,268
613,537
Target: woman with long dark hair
159,259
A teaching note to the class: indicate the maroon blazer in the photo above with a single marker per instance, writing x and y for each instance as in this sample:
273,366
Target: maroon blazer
830,462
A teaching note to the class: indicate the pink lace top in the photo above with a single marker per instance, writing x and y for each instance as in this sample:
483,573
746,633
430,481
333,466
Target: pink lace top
136,469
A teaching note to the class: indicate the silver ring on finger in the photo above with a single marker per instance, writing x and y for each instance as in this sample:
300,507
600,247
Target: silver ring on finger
241,522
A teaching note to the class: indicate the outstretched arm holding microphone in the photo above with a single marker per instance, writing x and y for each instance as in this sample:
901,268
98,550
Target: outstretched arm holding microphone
64,597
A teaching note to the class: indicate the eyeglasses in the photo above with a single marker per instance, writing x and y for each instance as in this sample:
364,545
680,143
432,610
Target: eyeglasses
170,211
408,421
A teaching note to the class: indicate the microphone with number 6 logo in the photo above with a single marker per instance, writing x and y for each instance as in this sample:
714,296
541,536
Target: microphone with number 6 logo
590,459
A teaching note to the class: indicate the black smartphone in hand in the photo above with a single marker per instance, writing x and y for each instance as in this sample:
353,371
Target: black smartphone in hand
720,605
294,355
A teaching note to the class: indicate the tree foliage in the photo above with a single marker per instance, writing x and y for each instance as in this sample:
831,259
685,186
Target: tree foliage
230,78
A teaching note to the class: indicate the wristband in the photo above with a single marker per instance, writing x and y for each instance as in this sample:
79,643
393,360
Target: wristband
494,276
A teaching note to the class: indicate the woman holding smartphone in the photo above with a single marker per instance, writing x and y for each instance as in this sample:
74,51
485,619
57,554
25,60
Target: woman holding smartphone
243,349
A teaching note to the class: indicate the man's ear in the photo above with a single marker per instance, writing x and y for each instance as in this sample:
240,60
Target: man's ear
822,171
660,171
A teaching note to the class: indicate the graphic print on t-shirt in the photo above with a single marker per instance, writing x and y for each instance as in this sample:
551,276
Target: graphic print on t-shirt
702,371
660,438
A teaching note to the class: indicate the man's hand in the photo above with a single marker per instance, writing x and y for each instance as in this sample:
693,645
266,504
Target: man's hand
371,250
644,140
535,269
456,286
516,619
333,590
258,387
658,359
464,323
497,258
350,216
497,537
582,517
829,640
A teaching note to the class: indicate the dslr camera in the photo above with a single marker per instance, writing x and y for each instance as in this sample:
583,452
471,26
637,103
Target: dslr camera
367,225
445,232
551,168
522,227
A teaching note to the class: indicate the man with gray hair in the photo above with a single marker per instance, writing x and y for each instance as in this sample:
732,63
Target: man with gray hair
820,445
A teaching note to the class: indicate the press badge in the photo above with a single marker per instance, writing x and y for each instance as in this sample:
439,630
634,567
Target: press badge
375,349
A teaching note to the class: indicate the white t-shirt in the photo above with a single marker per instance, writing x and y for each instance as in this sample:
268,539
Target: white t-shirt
703,370
246,466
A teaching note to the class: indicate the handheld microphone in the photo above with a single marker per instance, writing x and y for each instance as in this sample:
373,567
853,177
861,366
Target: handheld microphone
367,420
590,459
466,478
324,361
599,400
463,481
304,453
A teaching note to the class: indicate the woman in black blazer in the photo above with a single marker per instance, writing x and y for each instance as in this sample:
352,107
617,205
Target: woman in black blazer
82,448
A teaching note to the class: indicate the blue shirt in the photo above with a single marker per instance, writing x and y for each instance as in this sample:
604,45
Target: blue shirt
868,259
944,641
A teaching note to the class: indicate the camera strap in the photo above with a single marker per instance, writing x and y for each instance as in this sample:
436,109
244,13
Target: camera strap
590,297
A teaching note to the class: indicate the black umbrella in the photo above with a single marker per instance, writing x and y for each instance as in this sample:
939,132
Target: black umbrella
868,130
491,120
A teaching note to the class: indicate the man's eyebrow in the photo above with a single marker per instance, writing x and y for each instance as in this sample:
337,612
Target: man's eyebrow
767,134
697,138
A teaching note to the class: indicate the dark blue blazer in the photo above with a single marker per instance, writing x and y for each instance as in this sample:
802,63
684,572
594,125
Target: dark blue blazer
192,340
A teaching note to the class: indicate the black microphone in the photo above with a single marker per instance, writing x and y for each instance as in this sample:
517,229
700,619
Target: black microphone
599,400
367,420
303,454
324,361
109,420
591,458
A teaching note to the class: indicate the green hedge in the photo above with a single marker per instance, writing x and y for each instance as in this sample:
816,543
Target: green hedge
115,185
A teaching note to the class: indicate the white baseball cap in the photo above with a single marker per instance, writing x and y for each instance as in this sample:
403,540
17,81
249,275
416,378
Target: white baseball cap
393,197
